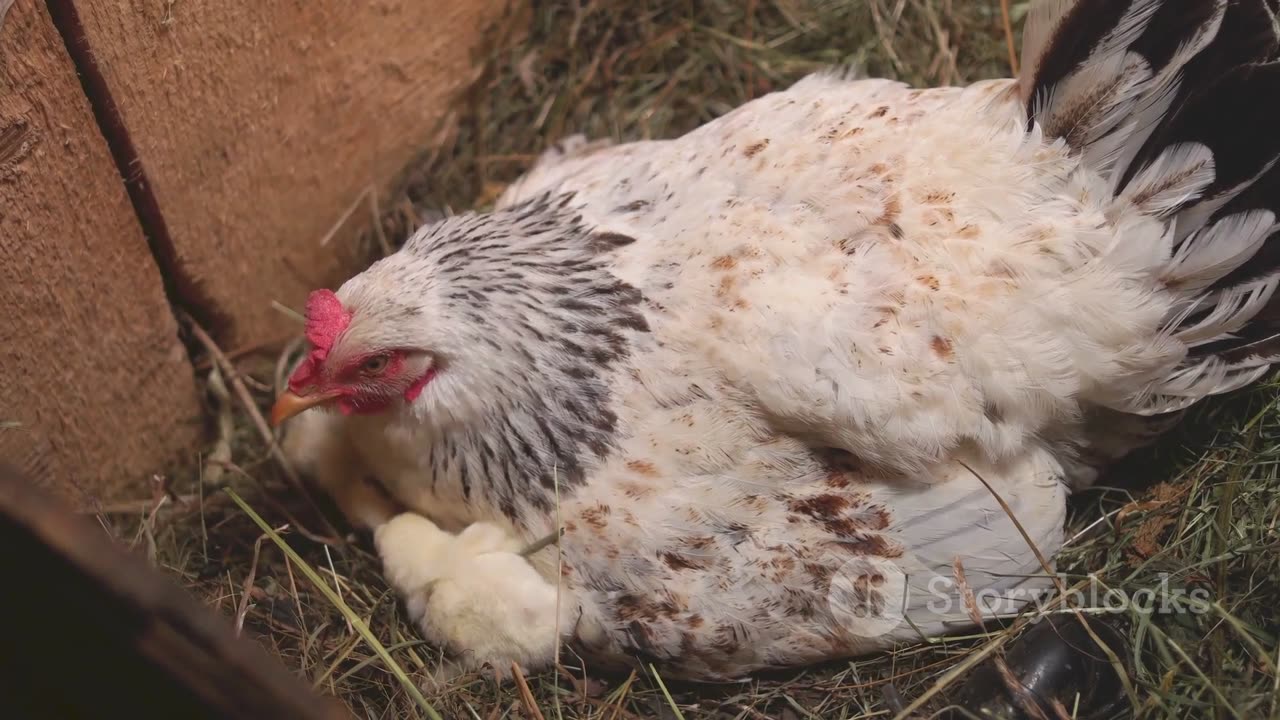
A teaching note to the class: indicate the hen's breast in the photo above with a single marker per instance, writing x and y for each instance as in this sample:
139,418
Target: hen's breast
405,459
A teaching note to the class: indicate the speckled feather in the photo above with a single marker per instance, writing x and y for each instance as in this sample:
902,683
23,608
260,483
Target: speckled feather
752,371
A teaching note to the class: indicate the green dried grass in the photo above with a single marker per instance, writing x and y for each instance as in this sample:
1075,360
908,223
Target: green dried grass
652,69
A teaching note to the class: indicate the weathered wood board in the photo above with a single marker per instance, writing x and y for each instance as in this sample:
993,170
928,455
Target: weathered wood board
91,369
259,124
99,633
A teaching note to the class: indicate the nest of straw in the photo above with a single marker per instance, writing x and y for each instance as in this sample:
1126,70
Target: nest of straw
1198,511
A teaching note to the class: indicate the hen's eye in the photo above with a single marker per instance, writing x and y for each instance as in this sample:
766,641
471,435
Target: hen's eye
374,365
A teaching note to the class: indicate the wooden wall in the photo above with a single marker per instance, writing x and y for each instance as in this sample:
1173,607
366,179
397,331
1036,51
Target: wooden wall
91,369
259,123
244,133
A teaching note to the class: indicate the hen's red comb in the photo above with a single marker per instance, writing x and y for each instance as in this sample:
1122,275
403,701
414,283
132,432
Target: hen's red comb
326,319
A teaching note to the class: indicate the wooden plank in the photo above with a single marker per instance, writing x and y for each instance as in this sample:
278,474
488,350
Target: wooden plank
98,630
91,368
258,126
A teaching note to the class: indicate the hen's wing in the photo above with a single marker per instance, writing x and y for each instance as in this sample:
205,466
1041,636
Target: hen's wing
780,244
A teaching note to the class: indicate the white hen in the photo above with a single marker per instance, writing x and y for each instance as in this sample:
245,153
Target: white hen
754,372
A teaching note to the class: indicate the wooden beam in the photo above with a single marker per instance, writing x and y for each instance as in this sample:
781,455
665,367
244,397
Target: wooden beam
92,631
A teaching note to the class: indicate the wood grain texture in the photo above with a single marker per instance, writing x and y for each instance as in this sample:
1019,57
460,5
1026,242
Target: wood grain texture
101,634
259,124
91,369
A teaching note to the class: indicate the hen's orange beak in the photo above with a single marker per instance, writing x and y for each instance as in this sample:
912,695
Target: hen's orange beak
289,403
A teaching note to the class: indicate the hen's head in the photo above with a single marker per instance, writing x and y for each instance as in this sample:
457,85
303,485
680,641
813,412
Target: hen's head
474,312
359,362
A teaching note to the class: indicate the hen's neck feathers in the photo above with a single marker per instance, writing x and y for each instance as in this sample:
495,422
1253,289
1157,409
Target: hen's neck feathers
542,325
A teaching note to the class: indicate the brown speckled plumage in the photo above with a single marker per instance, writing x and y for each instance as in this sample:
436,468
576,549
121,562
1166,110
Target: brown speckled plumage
751,371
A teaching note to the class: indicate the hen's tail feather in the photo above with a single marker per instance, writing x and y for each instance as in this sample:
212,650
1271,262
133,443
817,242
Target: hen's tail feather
1176,104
